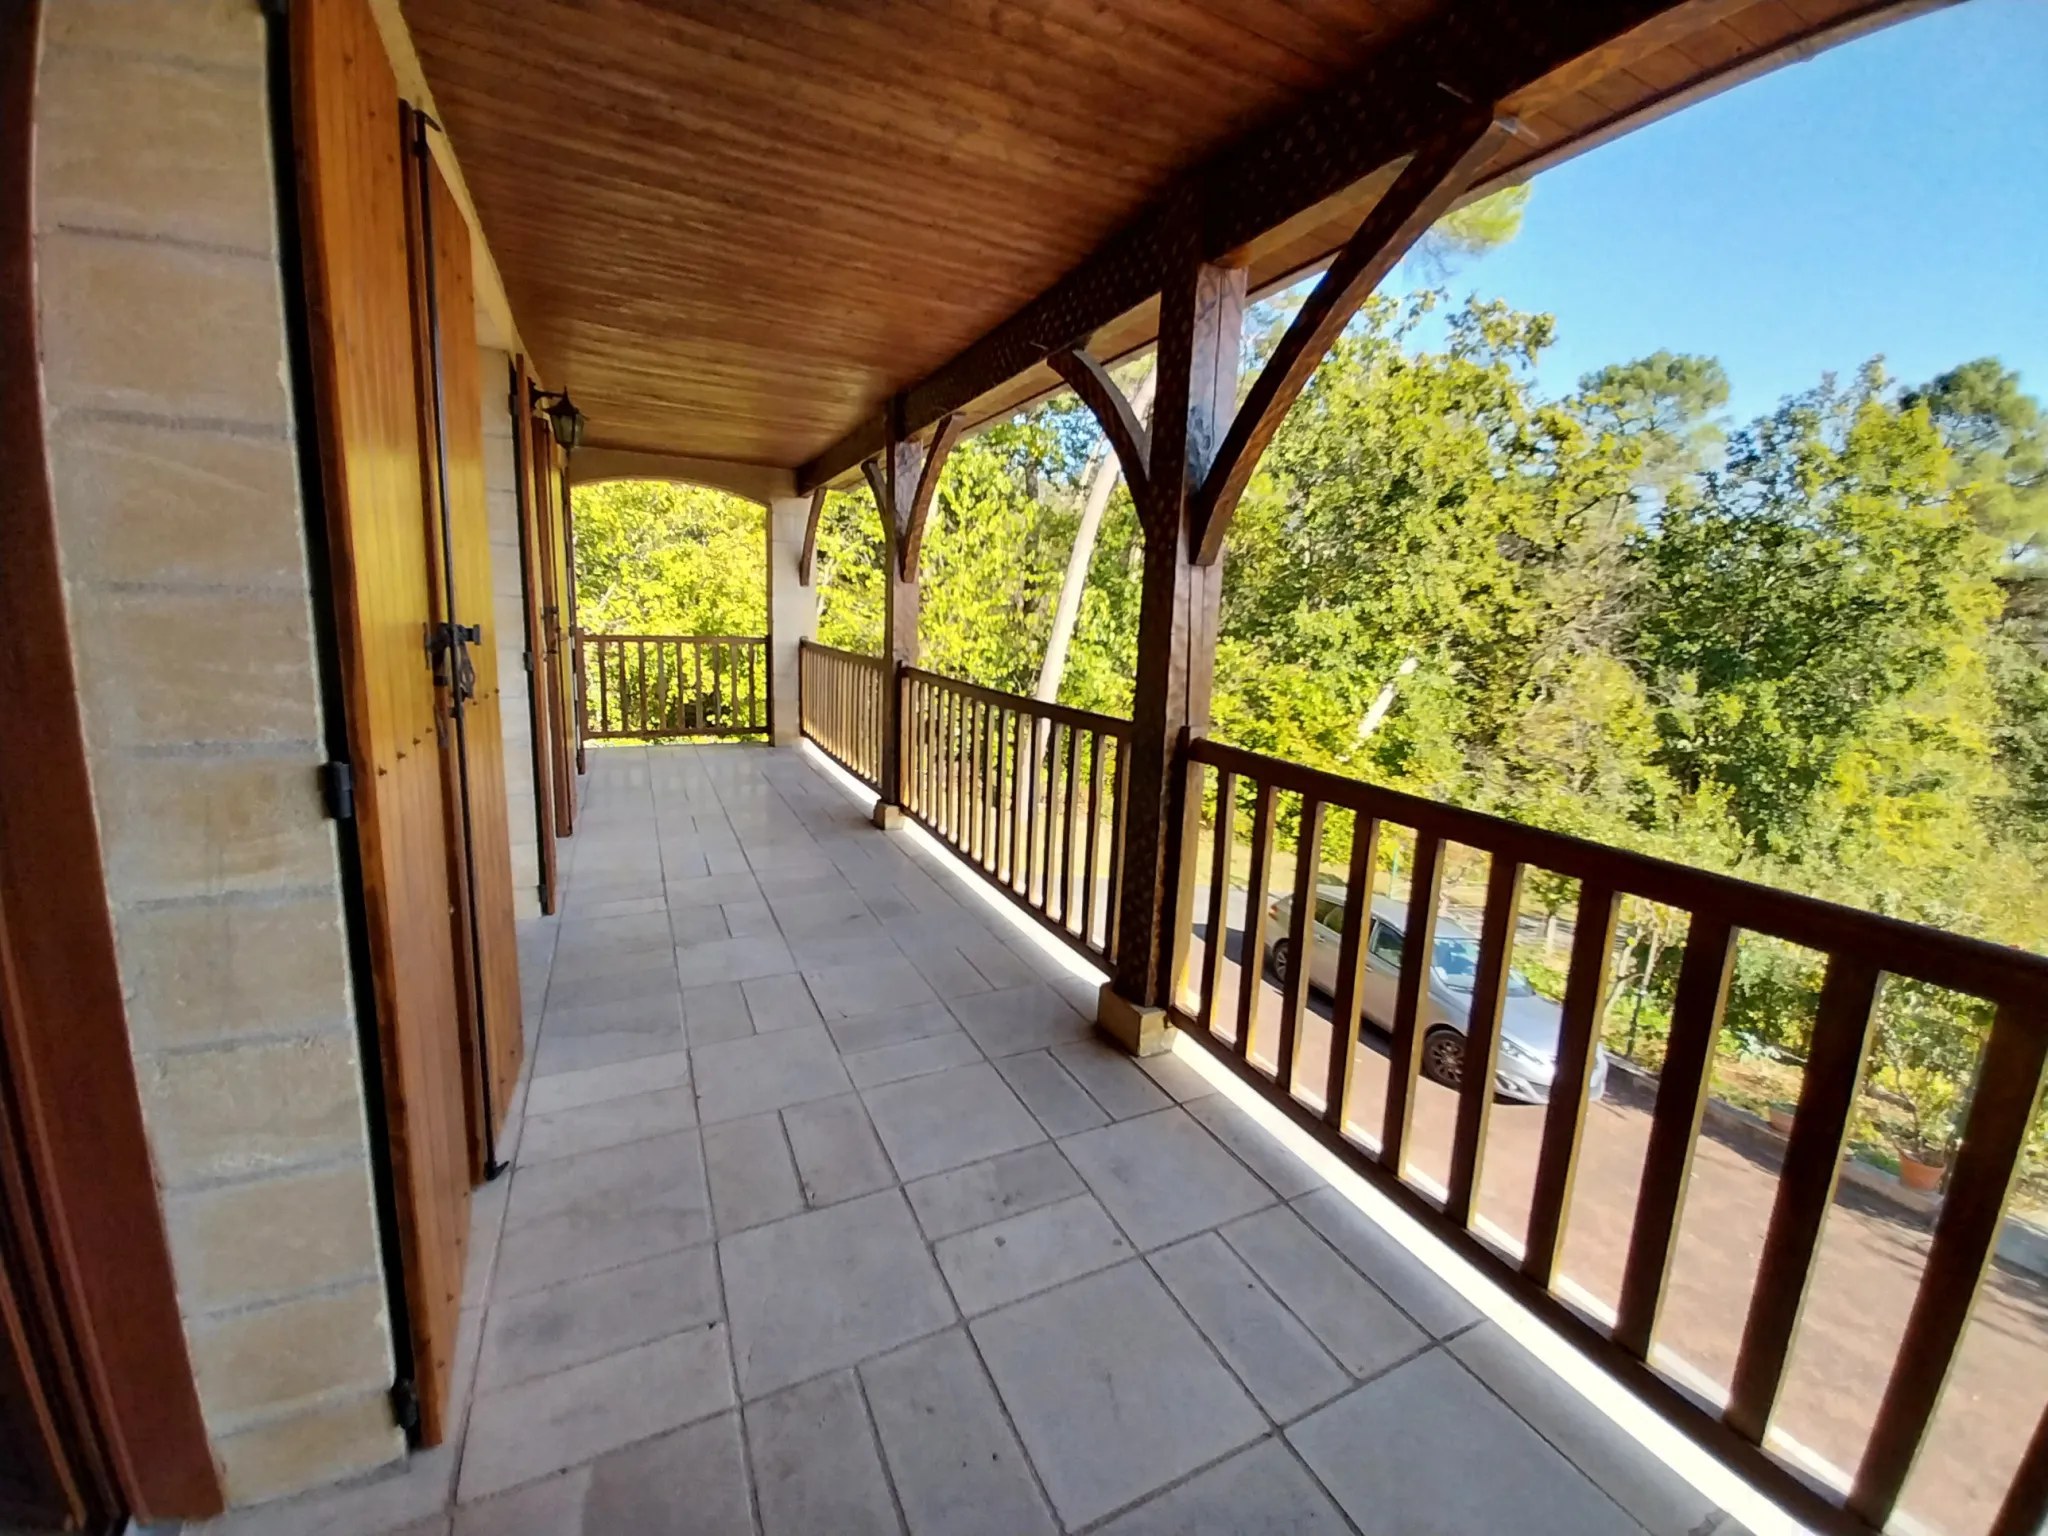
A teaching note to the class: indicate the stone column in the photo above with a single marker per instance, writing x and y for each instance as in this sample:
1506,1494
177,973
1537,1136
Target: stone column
792,613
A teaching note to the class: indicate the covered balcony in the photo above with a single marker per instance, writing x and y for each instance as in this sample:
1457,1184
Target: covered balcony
467,1073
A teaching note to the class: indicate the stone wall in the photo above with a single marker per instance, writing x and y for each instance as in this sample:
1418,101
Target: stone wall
792,612
183,542
508,623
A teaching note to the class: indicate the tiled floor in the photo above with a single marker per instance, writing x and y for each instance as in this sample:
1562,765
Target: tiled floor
829,1214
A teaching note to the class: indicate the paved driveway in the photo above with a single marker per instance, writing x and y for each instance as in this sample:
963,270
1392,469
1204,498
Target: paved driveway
1869,1269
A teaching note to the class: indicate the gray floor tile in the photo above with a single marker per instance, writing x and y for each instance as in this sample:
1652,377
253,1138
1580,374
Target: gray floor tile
1665,1503
1255,1147
845,944
1000,964
827,1289
949,1118
852,991
957,1466
746,919
577,1053
1415,1288
779,1002
819,910
745,1077
1113,1391
990,1191
1026,1018
1170,1072
837,1155
816,1466
705,925
1260,1492
711,890
950,973
596,1210
608,1124
994,1265
1274,1355
1050,1092
621,987
1353,1318
753,1179
1163,1177
1400,1455
732,960
1111,1077
579,1320
714,1013
693,1480
594,1085
874,1031
913,1058
545,1425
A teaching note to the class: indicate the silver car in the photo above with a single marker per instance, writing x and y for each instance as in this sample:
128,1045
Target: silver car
1526,1063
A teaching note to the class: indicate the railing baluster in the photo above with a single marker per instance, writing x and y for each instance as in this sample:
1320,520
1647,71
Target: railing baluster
604,700
1091,859
1806,1188
1030,767
1251,953
1215,937
1418,946
1349,999
1301,939
979,809
1585,1000
1006,800
2007,1094
1482,1035
697,697
992,782
1067,828
2025,1510
1119,801
1674,1126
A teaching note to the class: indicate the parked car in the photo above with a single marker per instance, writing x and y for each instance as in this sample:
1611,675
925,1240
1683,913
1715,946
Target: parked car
1526,1063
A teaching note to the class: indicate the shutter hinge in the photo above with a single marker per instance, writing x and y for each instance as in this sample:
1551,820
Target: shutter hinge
405,1404
338,790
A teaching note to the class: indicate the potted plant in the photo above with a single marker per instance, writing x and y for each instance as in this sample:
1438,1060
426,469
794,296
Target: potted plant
1780,1113
1925,1134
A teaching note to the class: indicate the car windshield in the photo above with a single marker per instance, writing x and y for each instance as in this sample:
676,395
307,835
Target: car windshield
1457,963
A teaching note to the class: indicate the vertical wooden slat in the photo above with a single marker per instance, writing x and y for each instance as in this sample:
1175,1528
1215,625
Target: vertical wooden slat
1301,939
1418,945
1585,1000
2024,1511
1251,956
697,697
991,778
1119,800
1806,1188
1029,770
1482,1035
1006,799
604,700
1986,1162
1070,800
1349,999
1213,943
1092,857
979,810
1674,1126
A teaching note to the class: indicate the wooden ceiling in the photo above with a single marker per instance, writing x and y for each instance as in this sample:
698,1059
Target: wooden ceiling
735,228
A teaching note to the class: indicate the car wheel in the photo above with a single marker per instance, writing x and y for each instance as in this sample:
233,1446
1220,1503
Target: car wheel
1279,960
1443,1056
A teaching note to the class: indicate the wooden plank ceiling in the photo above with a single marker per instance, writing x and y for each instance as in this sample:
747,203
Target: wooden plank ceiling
734,228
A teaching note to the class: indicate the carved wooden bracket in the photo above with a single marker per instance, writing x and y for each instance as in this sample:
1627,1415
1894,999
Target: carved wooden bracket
1432,180
808,557
904,478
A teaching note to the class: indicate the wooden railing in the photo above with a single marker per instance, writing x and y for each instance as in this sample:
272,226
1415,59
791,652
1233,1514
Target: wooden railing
1030,794
642,687
841,706
1859,949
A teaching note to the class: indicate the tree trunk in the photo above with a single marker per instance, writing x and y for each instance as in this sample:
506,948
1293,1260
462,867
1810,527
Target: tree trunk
1103,474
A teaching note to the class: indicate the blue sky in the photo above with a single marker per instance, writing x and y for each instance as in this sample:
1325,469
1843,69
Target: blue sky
1889,196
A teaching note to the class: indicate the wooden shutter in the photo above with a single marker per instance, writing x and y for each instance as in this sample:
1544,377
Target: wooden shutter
536,634
353,196
470,713
562,700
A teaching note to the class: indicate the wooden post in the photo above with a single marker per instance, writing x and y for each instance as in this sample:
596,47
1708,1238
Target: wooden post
903,479
1201,320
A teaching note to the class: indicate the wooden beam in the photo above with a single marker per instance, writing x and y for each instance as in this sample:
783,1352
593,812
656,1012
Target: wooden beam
1467,57
925,487
1427,188
1112,410
809,554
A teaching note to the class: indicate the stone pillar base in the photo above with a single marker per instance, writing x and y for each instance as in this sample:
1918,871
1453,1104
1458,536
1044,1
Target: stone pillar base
888,817
779,737
1141,1031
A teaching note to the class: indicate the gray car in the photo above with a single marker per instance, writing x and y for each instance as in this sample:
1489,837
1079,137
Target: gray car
1526,1063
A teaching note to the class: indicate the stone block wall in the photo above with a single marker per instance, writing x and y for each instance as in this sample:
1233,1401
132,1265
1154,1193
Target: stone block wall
175,473
508,625
792,612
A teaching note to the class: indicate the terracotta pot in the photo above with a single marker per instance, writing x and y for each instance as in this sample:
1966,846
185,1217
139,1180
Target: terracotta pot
1780,1117
1925,1177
